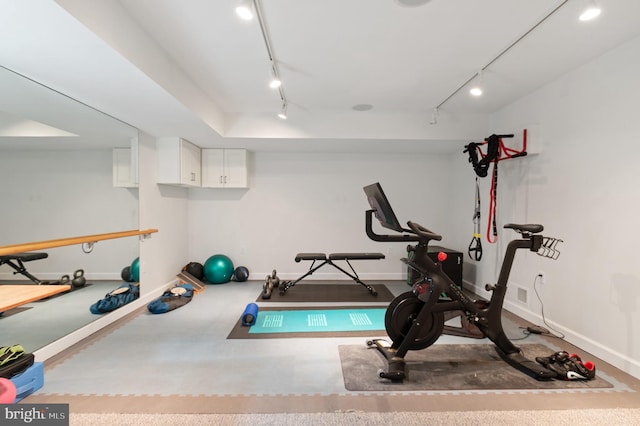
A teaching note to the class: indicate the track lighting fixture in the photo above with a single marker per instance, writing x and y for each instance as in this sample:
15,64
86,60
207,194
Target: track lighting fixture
244,9
590,11
275,78
434,116
275,83
283,113
476,90
412,3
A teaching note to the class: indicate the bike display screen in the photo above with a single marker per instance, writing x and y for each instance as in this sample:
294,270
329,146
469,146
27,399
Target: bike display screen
380,204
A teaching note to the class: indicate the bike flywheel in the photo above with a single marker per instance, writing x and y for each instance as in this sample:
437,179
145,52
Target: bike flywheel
399,318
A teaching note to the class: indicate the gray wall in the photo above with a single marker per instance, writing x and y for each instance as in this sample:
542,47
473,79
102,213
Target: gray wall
59,194
583,187
310,202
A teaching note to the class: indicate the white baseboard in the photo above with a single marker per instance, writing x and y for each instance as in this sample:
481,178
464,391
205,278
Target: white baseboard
614,358
76,336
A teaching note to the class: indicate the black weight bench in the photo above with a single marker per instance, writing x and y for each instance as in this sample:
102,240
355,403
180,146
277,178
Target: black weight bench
328,260
19,258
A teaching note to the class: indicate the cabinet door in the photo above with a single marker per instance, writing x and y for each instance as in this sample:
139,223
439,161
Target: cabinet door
235,168
189,164
122,168
212,168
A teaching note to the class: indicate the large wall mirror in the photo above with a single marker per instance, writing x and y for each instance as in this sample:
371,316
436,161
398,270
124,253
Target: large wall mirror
56,174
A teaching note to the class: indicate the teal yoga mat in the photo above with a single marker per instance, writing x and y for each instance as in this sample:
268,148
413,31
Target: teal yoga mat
319,320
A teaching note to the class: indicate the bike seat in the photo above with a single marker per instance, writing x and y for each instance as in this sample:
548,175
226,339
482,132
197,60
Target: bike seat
529,228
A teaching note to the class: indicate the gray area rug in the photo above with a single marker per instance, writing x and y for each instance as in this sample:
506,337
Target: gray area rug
449,367
310,292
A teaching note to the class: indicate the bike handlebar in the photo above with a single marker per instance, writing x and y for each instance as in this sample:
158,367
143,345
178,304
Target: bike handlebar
423,232
416,232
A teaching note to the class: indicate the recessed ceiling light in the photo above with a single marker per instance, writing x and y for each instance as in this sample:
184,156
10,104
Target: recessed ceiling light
412,3
362,107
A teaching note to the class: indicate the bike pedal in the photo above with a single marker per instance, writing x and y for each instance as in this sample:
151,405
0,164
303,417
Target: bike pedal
390,375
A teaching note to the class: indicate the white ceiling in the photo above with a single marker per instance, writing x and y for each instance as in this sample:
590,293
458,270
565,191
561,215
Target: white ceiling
333,54
198,58
35,117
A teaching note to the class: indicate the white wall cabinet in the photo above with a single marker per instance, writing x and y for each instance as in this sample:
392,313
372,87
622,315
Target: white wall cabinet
178,162
124,170
224,168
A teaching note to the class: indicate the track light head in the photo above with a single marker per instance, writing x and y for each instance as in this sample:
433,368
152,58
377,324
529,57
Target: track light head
275,83
245,9
476,90
275,78
283,113
412,3
434,116
590,12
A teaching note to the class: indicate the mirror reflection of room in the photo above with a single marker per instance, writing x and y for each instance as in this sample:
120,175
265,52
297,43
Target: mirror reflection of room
68,171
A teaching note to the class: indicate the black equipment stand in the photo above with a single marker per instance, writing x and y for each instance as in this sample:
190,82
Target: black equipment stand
19,267
329,260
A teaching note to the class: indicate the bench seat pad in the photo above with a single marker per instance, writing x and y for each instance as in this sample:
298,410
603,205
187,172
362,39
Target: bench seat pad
25,257
355,256
310,256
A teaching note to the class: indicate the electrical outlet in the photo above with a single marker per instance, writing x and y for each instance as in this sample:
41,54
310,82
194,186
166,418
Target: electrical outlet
541,277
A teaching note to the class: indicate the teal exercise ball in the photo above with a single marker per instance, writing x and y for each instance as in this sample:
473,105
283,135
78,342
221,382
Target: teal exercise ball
218,269
135,270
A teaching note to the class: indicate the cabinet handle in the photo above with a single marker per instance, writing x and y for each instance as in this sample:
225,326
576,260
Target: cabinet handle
221,179
225,179
193,176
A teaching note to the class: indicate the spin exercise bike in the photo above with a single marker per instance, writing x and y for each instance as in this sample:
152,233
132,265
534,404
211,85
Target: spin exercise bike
415,319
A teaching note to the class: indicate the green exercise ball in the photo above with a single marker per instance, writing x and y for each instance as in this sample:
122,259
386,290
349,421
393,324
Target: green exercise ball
135,270
218,269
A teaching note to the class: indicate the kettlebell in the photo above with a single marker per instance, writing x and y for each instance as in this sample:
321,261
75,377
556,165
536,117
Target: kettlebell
125,274
267,287
275,281
78,279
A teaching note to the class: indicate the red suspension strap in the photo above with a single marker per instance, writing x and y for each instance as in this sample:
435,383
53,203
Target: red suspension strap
493,193
496,151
